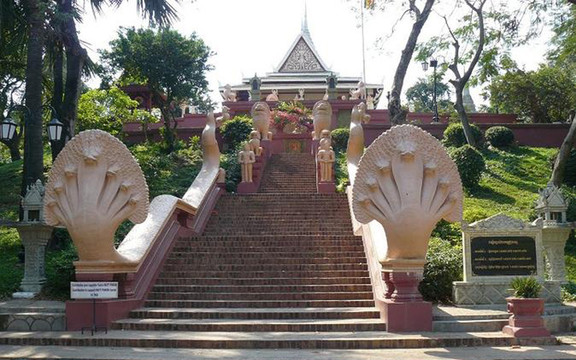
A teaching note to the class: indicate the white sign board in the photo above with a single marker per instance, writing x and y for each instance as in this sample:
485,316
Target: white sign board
94,290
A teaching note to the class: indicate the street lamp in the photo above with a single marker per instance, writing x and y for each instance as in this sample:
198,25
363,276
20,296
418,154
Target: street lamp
8,127
433,63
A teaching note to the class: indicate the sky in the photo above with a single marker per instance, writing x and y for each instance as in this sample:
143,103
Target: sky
252,36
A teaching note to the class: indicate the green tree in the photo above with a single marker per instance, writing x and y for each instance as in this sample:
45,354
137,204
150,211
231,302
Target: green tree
420,96
108,110
481,40
542,96
173,67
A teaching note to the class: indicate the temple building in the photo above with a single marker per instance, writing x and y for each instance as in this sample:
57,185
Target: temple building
302,75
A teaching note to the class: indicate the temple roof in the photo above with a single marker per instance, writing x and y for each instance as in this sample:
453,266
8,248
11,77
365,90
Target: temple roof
302,56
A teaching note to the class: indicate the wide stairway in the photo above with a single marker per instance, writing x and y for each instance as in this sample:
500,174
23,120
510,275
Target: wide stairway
277,269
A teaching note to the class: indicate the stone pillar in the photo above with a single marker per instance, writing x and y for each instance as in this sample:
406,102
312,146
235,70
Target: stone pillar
34,238
554,241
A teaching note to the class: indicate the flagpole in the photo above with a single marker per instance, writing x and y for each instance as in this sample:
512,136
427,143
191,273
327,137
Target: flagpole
363,47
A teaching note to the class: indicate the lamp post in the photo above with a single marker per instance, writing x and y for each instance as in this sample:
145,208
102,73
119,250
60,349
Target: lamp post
434,64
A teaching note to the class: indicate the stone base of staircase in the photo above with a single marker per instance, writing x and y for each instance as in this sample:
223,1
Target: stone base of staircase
268,340
32,315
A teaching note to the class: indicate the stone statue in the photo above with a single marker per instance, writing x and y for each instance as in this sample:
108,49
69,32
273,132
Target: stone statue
326,159
326,96
225,116
221,176
407,182
359,93
246,158
326,137
228,94
359,115
261,117
369,102
255,143
300,96
94,185
273,96
322,115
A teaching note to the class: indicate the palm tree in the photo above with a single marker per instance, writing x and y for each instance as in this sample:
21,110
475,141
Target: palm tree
160,12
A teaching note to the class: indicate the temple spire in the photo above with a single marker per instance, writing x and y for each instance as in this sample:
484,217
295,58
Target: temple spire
304,27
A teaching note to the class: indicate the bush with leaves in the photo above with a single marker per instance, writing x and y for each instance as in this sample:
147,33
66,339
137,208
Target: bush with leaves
470,163
499,136
236,130
60,271
454,135
443,266
340,139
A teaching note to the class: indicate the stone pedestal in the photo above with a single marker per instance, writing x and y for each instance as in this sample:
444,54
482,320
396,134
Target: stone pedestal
554,240
526,320
34,238
404,309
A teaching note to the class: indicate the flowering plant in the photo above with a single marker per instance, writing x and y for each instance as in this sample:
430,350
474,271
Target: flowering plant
291,113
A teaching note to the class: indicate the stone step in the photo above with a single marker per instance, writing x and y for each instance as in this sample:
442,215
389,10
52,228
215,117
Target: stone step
267,340
324,230
263,254
259,303
260,288
268,260
265,268
223,251
177,272
240,325
263,281
470,325
247,296
271,313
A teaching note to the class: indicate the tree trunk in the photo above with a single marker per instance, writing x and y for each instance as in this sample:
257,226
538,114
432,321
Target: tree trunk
557,177
169,136
33,148
459,106
396,113
75,57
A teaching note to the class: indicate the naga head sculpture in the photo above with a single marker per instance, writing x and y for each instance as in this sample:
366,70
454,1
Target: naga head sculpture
94,185
407,182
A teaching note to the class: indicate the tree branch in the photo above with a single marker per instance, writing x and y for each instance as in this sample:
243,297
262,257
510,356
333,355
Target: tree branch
456,44
481,40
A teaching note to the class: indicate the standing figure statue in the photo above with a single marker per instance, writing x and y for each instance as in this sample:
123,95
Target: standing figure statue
326,137
255,143
300,96
322,115
326,159
246,158
261,117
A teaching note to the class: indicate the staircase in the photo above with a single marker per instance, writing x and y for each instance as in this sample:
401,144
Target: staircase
282,261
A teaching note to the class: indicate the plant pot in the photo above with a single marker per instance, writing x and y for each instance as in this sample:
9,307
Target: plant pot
526,319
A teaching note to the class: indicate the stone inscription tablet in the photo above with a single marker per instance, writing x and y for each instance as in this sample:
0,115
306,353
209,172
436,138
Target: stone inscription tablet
503,255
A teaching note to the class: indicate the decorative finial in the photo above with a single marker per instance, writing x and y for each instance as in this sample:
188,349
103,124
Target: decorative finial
305,29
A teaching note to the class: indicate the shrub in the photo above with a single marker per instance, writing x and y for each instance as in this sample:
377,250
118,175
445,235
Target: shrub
526,287
235,131
454,135
59,272
470,165
340,139
443,266
499,136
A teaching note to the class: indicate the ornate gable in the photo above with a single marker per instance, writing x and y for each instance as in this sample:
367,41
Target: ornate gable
302,57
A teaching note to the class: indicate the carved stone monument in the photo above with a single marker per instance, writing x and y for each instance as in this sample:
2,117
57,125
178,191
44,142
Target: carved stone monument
326,160
94,185
34,234
225,116
273,96
359,93
551,206
255,143
406,182
246,159
261,117
228,94
322,118
496,250
331,83
255,92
